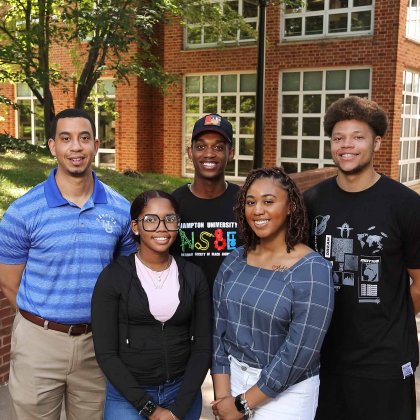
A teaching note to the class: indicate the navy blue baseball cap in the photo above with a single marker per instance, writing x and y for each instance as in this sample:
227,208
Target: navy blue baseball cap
213,122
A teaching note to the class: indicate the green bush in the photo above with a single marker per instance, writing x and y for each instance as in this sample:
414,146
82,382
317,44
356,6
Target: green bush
8,142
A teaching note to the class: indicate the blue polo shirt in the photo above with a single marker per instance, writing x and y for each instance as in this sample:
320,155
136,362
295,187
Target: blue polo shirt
64,247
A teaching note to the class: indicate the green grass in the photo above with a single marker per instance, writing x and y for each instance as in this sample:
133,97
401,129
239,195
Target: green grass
21,170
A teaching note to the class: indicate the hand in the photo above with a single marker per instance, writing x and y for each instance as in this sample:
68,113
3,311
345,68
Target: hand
162,414
225,409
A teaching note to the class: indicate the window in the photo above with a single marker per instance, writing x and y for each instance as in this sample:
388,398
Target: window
327,18
232,96
305,95
409,163
198,36
30,118
413,20
101,106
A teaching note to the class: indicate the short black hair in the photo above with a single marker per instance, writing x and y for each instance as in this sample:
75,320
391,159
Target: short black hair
71,113
140,202
356,108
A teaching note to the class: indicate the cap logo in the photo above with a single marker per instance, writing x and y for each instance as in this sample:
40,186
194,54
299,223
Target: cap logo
213,120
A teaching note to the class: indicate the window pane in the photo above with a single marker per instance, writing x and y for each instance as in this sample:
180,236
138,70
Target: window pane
289,126
314,25
246,147
233,5
246,33
230,168
244,167
24,120
293,27
107,159
246,125
337,23
39,125
22,89
310,149
106,87
248,82
250,9
360,21
338,4
209,104
290,167
228,104
311,104
314,5
359,79
311,126
194,35
329,99
357,3
312,80
189,124
106,127
308,166
210,84
192,84
247,103
192,104
229,83
336,79
290,104
327,149
291,81
210,35
289,148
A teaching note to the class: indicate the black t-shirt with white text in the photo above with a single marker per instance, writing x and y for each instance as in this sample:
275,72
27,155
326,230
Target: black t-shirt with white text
208,230
371,238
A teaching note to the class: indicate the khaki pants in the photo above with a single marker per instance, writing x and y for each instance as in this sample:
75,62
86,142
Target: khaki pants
48,365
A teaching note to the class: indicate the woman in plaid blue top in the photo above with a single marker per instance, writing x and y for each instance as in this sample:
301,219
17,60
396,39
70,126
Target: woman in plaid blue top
273,300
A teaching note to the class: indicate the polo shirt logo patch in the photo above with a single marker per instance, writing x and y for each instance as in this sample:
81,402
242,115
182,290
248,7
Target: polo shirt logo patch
107,222
213,120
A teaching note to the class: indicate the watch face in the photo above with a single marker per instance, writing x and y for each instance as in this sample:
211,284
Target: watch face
148,408
239,404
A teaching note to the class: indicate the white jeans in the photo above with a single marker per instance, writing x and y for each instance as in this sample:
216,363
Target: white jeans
298,402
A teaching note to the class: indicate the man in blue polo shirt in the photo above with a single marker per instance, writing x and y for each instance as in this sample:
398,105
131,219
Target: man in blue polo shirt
54,242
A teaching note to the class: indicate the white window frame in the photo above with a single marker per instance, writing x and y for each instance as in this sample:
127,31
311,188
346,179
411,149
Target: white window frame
202,44
96,98
410,144
186,138
322,138
33,99
326,13
413,21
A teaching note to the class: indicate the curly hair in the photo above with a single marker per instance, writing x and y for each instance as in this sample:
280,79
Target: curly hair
297,224
140,202
355,108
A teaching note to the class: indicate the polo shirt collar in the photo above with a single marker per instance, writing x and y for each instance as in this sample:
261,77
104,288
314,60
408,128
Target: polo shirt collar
55,199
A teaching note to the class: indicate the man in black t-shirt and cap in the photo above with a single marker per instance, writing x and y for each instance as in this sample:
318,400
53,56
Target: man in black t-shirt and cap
208,230
368,226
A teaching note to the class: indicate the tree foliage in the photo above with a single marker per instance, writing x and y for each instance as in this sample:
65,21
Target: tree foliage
99,35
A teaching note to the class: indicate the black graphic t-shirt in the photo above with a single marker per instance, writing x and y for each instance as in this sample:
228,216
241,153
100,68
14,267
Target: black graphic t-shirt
208,230
371,238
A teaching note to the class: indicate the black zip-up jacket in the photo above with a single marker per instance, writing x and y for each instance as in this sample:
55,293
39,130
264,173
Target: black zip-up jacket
133,348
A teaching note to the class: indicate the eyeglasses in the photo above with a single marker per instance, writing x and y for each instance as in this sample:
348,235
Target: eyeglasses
151,222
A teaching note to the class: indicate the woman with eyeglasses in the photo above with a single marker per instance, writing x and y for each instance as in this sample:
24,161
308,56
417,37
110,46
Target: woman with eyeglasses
151,322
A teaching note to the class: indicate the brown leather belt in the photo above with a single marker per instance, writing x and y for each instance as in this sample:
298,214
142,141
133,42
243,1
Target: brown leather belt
76,329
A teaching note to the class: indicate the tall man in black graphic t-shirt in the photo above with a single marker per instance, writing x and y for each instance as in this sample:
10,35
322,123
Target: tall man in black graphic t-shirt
368,226
208,230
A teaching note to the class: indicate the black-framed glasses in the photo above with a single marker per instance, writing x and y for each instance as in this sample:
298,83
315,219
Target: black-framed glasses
151,222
